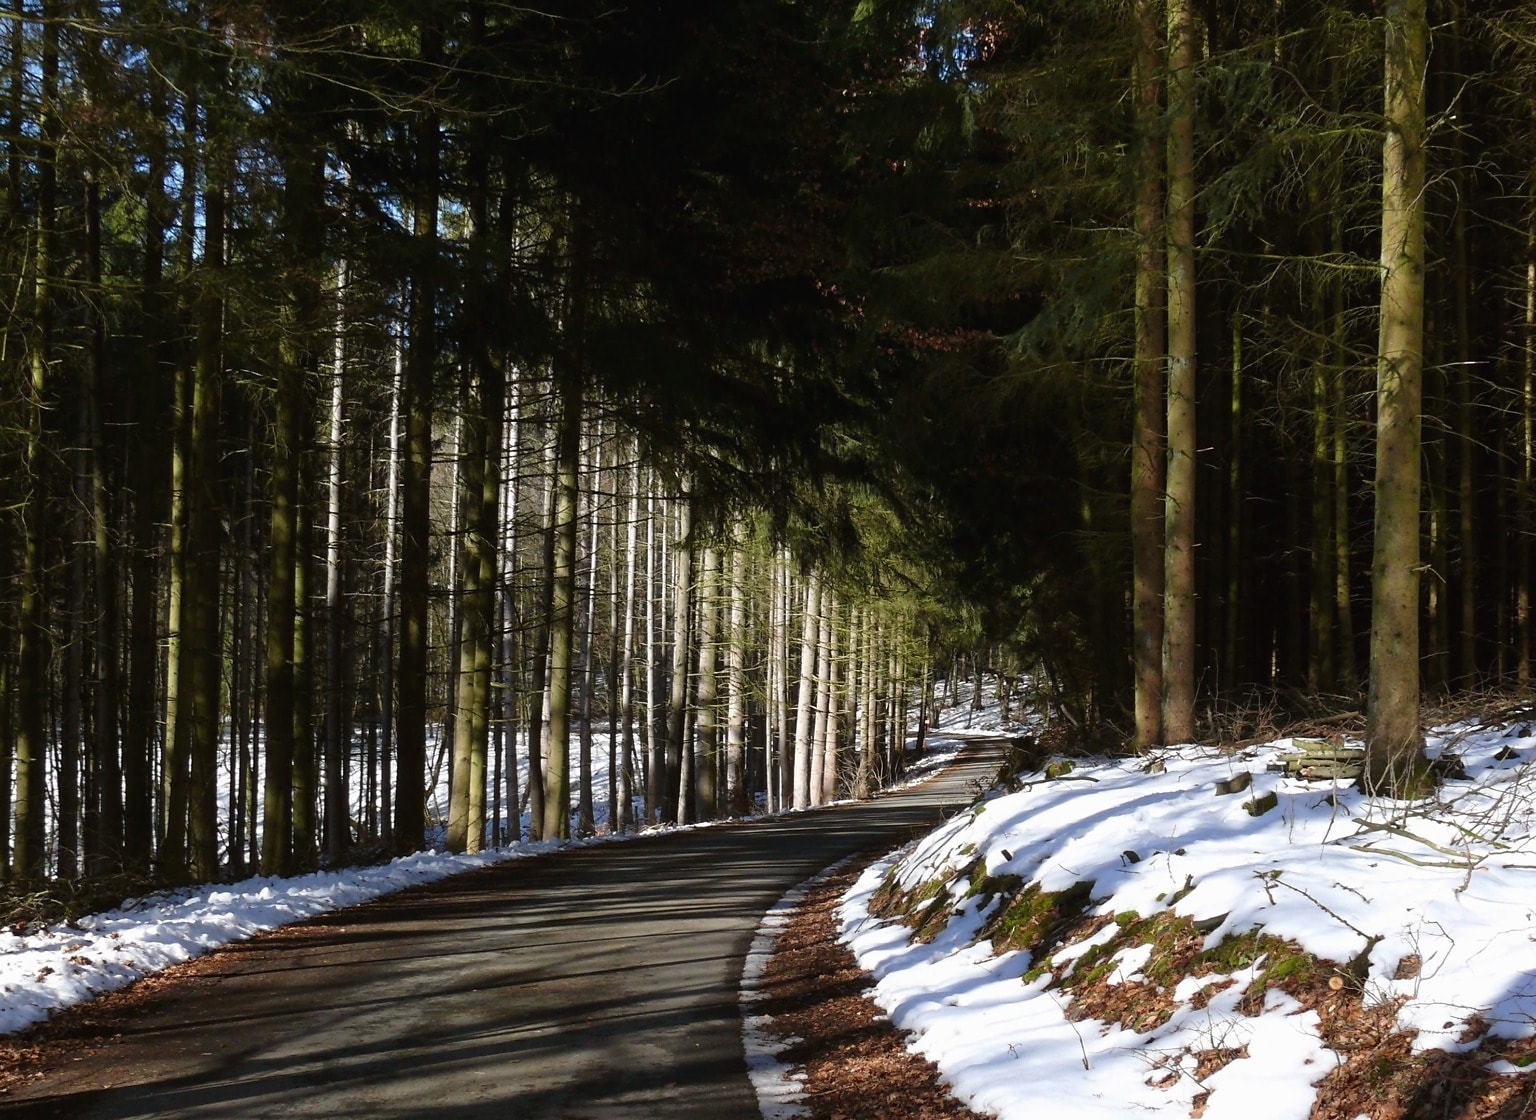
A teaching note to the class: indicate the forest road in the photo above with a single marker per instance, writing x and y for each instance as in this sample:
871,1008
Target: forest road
599,984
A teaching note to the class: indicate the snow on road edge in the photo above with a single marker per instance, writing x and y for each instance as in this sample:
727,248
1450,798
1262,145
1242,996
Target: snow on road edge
779,1088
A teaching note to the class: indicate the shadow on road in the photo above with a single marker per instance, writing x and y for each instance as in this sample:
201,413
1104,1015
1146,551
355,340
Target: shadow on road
596,983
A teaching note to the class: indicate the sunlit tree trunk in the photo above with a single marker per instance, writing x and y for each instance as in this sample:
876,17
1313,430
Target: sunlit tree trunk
1394,742
823,699
831,754
586,823
865,701
626,797
480,500
511,645
655,741
562,613
1179,654
707,714
805,701
338,833
616,652
781,762
679,772
736,769
539,676
387,594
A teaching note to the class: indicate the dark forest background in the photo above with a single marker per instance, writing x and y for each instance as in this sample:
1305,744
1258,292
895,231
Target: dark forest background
386,387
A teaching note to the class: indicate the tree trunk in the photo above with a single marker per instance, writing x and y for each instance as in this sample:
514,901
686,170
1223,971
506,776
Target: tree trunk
1343,599
864,645
202,655
306,832
282,551
805,700
1394,742
387,596
678,792
1322,659
480,500
1179,653
104,842
1466,437
511,646
626,799
538,691
1149,404
823,691
562,612
655,741
338,831
707,712
176,746
832,752
30,852
1525,471
586,823
409,831
736,768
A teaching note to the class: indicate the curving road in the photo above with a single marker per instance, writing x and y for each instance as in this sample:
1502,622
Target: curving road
598,984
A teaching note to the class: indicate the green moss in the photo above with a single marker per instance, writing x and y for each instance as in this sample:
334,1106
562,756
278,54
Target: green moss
1234,953
1035,919
891,901
1094,965
988,886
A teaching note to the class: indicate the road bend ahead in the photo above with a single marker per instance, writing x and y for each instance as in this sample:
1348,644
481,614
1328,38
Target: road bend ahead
598,984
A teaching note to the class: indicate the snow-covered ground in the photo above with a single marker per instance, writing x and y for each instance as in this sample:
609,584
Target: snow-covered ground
45,968
1446,888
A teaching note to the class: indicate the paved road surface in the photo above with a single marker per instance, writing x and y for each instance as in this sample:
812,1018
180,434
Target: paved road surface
598,984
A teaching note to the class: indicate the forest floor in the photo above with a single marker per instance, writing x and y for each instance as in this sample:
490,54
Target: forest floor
855,1065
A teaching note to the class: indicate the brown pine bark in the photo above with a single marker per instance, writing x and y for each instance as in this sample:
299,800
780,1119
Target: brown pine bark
562,613
1179,631
677,807
1147,450
1394,741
